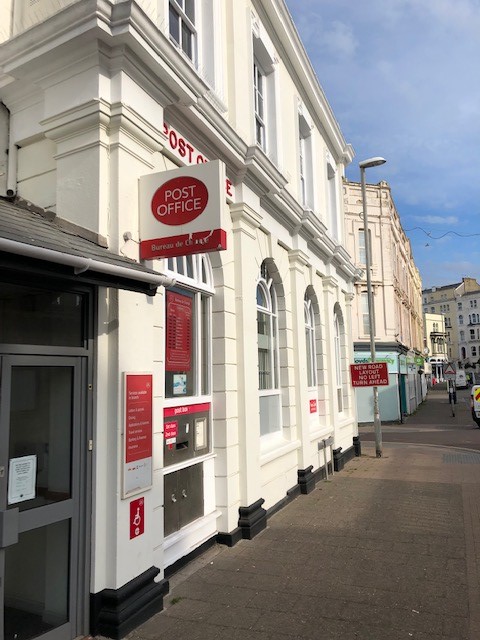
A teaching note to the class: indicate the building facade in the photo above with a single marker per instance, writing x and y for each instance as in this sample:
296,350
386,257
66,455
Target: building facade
458,302
151,407
397,300
435,343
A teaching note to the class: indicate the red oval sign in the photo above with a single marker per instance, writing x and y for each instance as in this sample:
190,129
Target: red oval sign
179,201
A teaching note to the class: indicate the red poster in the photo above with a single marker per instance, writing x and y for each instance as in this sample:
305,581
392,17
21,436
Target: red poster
178,348
170,430
313,406
137,518
138,416
370,374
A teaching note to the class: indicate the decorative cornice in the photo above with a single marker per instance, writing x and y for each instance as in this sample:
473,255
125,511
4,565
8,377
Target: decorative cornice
245,219
298,258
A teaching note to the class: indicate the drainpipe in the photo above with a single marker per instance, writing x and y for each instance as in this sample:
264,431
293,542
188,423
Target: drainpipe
9,153
12,170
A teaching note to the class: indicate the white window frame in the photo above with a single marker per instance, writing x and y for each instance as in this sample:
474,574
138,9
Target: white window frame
365,313
194,274
184,20
269,392
206,58
305,160
260,104
263,64
337,336
310,340
333,199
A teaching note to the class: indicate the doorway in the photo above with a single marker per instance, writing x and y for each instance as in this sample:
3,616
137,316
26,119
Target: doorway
42,476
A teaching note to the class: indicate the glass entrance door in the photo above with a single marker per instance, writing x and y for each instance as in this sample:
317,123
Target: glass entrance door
40,434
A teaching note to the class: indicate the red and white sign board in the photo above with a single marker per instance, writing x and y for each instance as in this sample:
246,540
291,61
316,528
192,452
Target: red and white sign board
369,374
137,518
449,372
313,406
138,428
182,211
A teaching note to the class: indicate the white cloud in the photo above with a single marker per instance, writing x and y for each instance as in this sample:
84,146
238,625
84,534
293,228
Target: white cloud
449,220
339,38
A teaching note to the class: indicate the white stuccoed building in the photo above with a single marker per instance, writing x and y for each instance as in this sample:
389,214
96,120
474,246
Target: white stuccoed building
153,407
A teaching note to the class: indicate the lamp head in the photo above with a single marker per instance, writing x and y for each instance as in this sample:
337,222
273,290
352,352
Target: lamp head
371,162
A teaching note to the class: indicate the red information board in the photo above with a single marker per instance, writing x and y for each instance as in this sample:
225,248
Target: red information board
138,430
369,374
178,349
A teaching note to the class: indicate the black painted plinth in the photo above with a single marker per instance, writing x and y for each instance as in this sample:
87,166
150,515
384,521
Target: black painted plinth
231,538
116,612
306,479
357,446
252,520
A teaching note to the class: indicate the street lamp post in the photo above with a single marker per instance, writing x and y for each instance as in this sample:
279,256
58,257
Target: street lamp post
366,164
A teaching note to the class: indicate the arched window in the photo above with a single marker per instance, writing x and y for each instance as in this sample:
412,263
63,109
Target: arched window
464,353
268,355
310,342
460,319
338,348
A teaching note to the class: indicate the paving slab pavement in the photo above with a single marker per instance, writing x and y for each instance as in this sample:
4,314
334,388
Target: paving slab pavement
387,549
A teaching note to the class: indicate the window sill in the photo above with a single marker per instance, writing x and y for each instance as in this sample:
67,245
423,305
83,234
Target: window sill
276,447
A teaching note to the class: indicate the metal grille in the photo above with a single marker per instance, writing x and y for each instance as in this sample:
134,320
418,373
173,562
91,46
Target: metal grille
461,458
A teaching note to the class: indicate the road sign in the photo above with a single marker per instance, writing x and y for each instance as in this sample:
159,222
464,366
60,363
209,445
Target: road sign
369,374
449,372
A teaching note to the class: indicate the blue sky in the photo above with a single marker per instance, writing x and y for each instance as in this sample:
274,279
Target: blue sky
403,81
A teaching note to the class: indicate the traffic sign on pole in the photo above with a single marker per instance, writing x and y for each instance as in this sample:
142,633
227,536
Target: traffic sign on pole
449,371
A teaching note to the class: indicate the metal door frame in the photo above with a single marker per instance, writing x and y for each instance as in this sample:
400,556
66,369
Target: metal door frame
73,509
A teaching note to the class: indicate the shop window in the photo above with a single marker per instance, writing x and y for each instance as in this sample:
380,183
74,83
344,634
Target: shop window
188,328
268,354
310,342
30,315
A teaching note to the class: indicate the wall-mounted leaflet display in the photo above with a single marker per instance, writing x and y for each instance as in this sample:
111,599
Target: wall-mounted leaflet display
137,440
